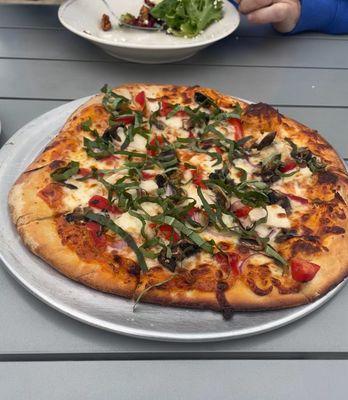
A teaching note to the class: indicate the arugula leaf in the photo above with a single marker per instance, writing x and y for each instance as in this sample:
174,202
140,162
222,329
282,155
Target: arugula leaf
188,17
64,173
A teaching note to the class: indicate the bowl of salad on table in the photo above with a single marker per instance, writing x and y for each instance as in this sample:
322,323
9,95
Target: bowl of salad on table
150,31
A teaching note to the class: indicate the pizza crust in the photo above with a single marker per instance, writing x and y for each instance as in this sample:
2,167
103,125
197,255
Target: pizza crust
113,279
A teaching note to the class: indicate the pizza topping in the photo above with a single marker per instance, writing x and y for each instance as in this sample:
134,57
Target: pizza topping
101,203
96,232
298,199
304,157
238,128
302,270
229,262
64,173
140,99
288,166
266,141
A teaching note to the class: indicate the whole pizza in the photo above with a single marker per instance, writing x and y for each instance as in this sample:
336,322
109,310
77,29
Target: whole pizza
183,196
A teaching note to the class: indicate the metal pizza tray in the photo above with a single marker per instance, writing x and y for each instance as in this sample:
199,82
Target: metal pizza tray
102,310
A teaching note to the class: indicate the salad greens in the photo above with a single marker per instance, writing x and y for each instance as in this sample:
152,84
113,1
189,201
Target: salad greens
188,17
185,18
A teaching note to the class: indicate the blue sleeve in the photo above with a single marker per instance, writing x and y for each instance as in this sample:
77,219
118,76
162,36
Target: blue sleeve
328,16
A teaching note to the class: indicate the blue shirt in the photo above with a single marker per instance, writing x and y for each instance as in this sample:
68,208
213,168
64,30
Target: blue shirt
328,16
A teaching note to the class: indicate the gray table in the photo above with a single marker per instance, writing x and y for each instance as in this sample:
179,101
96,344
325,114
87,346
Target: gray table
42,66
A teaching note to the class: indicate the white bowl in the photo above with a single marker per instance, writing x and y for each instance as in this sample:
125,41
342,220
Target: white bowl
82,17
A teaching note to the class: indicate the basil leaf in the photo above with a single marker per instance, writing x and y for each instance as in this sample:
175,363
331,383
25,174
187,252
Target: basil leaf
186,231
109,224
148,288
98,148
86,125
271,252
64,173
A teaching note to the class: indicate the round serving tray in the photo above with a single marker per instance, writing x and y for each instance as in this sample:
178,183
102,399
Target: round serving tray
99,309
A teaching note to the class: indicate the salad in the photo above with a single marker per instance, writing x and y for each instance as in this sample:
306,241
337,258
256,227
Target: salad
185,18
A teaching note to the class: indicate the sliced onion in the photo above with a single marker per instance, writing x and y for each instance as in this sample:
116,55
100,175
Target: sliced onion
242,263
118,244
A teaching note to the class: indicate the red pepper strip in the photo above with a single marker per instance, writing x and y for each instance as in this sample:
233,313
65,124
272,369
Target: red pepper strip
147,176
218,150
125,120
95,231
243,212
238,128
197,178
302,270
155,142
299,199
169,232
166,108
84,171
228,262
140,99
101,203
288,166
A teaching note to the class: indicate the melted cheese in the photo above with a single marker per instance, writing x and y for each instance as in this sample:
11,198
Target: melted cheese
277,217
205,162
138,144
152,208
241,163
129,223
80,196
149,186
191,191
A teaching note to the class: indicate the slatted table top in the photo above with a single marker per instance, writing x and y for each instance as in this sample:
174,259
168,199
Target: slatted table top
43,66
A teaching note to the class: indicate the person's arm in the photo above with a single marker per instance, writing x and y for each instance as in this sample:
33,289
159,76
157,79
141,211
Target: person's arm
294,16
328,16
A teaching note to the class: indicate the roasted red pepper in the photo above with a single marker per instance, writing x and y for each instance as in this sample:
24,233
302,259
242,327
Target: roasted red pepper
288,166
147,176
155,144
84,171
168,232
197,178
101,203
238,128
228,262
140,99
129,119
242,212
166,108
302,270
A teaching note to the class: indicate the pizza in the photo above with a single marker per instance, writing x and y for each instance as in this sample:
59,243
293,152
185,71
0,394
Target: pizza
183,196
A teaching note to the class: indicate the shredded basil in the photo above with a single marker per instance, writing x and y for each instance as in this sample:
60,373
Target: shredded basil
109,224
64,173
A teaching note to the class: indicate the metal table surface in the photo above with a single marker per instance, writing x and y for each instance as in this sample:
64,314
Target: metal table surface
44,353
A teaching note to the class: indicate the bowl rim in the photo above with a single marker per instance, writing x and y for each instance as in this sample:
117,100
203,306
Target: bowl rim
230,8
